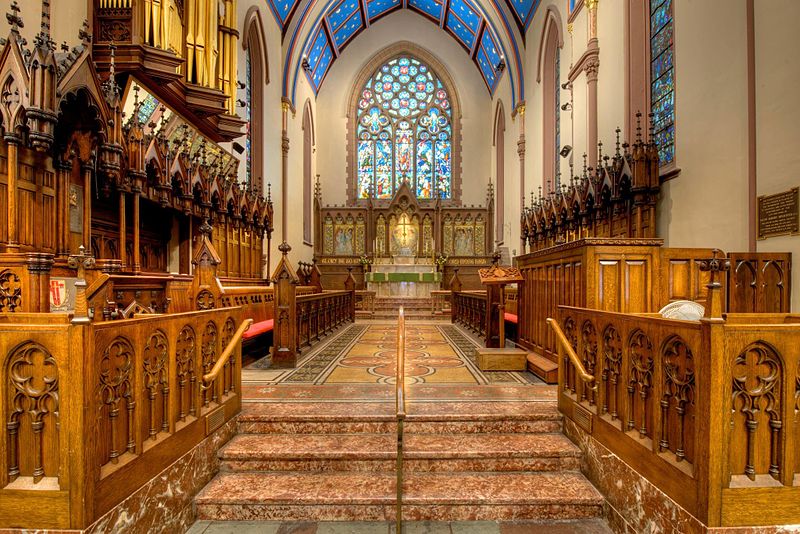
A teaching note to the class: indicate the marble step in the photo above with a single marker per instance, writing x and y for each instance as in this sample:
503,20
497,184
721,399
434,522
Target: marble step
377,452
379,417
371,497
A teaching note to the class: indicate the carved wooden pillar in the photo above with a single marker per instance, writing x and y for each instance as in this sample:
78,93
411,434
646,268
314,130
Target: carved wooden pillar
87,169
137,259
64,169
13,147
284,344
38,294
123,254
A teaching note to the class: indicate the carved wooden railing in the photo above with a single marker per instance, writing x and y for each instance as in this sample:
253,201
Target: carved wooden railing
93,411
706,411
469,310
319,314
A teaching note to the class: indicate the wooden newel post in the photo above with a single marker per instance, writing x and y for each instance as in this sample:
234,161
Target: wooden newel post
81,261
495,278
284,339
455,282
711,401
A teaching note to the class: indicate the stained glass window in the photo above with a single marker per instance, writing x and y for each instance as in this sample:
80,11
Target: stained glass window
248,98
146,110
662,78
404,132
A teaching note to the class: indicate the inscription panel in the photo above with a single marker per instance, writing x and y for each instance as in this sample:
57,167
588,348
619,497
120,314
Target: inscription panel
778,214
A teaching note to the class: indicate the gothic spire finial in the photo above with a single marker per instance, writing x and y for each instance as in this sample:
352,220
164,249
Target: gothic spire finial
638,126
269,192
618,145
14,19
45,28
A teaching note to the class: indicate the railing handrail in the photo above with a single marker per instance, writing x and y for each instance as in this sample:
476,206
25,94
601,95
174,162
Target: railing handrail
564,342
401,362
209,377
400,408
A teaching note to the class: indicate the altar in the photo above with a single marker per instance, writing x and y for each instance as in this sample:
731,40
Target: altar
403,277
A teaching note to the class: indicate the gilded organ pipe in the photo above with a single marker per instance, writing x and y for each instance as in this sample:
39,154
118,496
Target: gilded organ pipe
226,68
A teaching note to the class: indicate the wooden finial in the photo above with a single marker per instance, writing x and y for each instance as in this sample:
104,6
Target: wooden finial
716,265
81,261
284,248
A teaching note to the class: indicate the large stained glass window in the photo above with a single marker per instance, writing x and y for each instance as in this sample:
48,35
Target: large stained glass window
404,132
662,78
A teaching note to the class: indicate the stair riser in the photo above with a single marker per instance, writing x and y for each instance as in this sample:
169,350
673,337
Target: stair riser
323,466
466,465
411,465
388,427
482,427
411,512
317,427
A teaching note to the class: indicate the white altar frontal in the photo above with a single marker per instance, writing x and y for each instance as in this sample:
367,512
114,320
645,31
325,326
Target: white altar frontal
403,277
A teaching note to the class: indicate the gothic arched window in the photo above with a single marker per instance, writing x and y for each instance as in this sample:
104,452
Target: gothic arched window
662,78
404,132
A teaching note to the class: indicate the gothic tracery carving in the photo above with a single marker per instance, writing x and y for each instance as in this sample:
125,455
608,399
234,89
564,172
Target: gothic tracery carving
757,379
115,388
33,391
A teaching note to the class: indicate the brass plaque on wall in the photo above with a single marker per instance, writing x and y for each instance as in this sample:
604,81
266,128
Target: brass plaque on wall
778,214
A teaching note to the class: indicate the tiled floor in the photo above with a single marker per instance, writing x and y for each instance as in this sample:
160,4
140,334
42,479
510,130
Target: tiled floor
586,526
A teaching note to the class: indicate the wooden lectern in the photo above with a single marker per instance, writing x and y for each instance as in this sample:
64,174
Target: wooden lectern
495,278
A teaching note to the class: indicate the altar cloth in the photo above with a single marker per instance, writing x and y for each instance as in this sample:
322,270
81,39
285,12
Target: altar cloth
403,277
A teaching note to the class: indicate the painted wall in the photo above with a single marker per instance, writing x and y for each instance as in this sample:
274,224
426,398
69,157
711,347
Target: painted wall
777,115
706,204
270,108
66,19
477,111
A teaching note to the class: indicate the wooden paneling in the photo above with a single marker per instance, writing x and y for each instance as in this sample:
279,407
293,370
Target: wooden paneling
90,413
706,411
760,283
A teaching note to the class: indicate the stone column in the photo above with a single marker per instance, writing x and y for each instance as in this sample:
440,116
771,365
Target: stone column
285,108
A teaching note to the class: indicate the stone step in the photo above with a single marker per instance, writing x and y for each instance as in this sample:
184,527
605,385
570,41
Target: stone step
371,497
377,452
379,417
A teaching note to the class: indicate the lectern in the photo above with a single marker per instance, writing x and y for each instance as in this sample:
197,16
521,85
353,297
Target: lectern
495,278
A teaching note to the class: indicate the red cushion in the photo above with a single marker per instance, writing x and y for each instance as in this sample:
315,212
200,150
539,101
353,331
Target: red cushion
256,329
509,317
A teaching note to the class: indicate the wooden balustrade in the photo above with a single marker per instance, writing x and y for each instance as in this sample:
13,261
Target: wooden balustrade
319,314
93,411
469,310
706,411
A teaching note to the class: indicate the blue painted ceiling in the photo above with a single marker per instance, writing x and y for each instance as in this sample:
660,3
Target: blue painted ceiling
347,18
